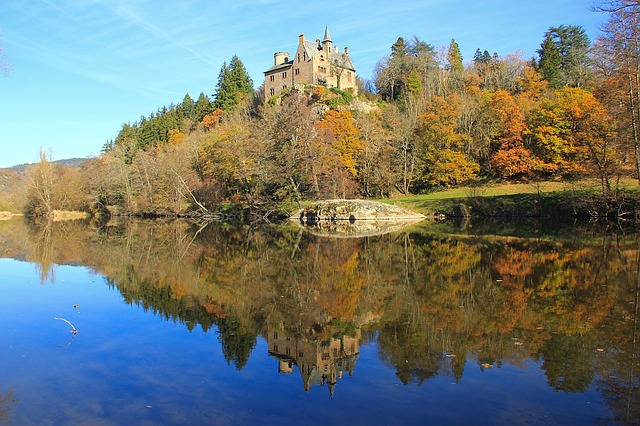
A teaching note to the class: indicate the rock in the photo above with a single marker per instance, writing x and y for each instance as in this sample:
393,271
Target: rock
352,210
354,218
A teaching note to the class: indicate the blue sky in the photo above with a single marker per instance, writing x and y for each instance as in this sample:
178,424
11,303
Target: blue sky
82,68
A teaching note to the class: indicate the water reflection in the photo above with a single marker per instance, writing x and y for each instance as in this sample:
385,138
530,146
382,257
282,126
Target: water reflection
435,304
319,361
7,402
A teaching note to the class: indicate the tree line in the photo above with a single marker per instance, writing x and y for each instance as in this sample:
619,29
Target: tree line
426,120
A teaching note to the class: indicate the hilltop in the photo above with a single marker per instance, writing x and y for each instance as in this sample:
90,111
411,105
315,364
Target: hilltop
69,162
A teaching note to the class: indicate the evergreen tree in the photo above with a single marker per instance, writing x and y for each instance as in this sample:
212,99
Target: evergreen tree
477,57
550,62
417,47
203,107
455,57
573,47
399,49
234,84
188,107
481,57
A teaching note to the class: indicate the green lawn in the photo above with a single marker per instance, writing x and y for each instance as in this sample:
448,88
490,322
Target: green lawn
437,201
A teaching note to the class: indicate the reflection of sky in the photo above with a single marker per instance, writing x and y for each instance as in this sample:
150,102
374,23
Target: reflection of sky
127,366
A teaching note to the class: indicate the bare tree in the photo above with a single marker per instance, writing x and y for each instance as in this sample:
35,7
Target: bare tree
618,52
40,181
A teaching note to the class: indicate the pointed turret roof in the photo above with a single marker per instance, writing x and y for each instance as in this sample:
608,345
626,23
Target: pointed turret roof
327,37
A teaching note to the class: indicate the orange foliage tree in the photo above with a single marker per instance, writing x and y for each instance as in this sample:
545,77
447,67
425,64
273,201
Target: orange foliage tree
343,139
441,146
512,159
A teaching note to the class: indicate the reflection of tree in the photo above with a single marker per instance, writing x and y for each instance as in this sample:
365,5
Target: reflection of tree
433,303
7,401
41,230
568,362
416,355
237,344
618,368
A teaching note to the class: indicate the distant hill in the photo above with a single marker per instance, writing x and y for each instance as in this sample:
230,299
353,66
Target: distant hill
11,186
69,162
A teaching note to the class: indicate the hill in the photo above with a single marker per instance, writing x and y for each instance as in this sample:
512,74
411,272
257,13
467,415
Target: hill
69,162
10,188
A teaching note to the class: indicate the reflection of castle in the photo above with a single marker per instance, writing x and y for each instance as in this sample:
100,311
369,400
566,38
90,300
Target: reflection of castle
319,362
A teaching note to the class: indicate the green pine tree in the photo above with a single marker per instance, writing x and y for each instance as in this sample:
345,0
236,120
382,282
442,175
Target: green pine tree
188,107
455,57
203,107
234,85
550,62
573,46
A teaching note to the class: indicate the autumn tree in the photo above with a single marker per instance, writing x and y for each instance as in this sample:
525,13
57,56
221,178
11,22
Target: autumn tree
290,132
591,132
618,55
345,145
376,166
441,147
511,159
229,158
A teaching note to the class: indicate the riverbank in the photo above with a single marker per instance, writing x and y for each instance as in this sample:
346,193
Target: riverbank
543,200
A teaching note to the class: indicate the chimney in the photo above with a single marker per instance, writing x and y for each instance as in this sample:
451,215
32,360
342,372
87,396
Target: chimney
301,37
346,51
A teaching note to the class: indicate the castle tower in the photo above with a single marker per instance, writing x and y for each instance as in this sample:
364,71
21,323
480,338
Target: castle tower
280,58
327,43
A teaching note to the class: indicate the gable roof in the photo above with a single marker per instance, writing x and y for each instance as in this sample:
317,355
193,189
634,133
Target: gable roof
343,60
280,66
340,58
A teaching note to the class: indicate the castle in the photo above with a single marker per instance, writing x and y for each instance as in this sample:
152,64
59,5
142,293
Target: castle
315,63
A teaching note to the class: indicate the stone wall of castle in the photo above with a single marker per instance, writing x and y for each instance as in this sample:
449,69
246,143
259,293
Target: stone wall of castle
308,65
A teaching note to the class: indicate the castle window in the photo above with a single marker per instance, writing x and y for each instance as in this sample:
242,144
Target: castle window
288,351
297,71
322,58
275,348
284,74
272,77
304,55
275,334
286,59
284,86
298,57
349,76
300,354
273,91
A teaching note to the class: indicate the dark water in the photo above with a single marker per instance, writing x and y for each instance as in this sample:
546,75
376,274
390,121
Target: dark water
181,323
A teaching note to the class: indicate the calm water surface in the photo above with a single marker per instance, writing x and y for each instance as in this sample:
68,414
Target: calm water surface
182,323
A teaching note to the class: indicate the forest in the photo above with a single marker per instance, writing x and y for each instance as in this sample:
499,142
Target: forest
427,120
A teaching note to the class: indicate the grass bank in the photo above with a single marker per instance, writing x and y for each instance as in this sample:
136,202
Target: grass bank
539,199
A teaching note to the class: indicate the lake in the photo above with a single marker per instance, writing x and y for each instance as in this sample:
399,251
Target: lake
211,323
